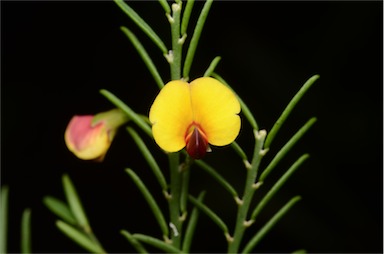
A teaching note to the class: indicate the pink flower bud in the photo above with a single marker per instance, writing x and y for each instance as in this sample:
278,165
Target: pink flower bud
89,139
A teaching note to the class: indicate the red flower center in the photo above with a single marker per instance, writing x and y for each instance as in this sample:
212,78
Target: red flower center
197,142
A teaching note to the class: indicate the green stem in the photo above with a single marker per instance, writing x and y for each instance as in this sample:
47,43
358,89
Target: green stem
174,202
185,173
250,187
175,57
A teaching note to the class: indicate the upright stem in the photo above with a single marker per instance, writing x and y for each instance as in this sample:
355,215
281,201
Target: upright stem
175,55
174,202
174,59
250,187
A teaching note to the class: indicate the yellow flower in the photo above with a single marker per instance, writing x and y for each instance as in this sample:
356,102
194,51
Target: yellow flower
194,114
89,137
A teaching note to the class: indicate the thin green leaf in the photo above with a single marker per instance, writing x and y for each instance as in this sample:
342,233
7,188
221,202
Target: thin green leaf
286,148
135,243
210,170
142,25
4,219
75,203
241,153
212,66
78,237
156,243
186,16
190,230
276,187
144,56
59,208
268,226
244,108
151,202
132,115
149,158
184,190
185,174
291,105
26,231
205,209
195,38
165,6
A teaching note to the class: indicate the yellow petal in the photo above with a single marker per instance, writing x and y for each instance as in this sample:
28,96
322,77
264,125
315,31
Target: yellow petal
215,108
170,115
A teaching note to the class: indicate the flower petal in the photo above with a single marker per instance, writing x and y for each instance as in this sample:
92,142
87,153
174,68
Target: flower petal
87,142
171,115
215,108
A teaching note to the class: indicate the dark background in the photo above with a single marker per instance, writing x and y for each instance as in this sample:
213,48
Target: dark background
57,55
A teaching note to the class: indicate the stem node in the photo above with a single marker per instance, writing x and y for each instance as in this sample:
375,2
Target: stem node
257,185
167,240
238,201
182,39
263,152
248,223
167,195
183,217
247,164
169,56
169,17
259,135
228,237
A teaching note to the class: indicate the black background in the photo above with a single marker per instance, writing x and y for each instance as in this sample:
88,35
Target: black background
57,55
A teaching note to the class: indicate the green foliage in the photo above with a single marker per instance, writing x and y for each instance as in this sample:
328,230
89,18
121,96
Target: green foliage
177,235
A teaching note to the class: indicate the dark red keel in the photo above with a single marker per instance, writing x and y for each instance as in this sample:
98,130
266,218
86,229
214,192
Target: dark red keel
197,144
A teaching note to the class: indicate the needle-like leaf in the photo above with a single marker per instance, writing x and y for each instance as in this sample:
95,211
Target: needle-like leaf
26,231
142,25
79,237
144,55
287,111
156,243
268,226
59,208
151,202
75,203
